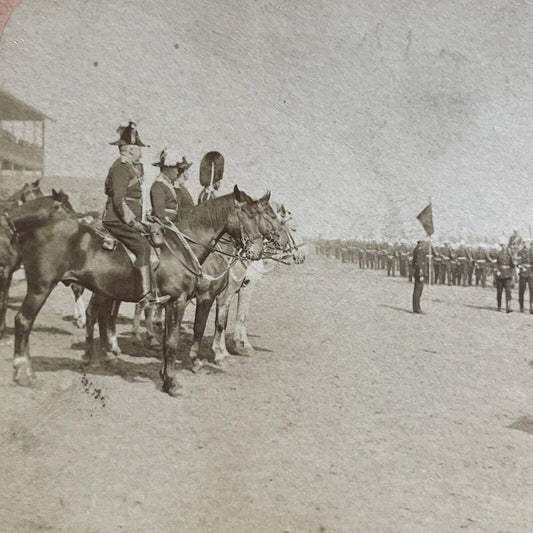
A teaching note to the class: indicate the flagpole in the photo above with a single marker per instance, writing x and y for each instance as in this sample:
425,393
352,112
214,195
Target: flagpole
430,270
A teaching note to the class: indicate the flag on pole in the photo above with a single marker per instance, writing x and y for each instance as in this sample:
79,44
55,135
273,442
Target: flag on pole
426,219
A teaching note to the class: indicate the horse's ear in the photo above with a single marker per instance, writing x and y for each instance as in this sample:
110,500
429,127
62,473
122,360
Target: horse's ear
239,196
36,182
55,194
265,199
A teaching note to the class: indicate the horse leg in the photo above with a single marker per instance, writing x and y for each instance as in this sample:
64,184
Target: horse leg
91,316
79,305
242,344
149,315
221,321
33,302
203,306
174,312
158,323
5,283
137,323
107,320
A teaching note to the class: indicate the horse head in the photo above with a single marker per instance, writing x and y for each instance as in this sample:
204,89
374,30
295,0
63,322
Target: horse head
248,230
61,201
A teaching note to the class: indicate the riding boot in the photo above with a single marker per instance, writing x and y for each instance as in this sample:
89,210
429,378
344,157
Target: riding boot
147,296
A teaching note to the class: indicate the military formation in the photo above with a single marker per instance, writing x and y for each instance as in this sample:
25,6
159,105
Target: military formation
504,265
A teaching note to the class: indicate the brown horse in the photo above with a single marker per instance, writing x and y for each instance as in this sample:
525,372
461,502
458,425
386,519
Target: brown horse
212,281
10,259
61,248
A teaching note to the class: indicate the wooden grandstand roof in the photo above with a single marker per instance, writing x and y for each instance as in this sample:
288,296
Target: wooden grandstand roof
11,108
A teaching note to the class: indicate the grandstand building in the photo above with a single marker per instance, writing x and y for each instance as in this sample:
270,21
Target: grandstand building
22,136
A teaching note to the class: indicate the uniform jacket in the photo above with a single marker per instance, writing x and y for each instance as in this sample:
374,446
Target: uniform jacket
184,199
525,262
164,198
504,265
419,260
463,253
124,193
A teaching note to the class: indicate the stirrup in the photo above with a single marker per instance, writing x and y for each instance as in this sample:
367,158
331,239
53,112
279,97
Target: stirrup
150,300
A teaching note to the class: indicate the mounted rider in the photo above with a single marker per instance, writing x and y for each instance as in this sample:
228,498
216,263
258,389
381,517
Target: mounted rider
123,210
168,192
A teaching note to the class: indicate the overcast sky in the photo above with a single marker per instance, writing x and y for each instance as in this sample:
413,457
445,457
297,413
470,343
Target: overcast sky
353,112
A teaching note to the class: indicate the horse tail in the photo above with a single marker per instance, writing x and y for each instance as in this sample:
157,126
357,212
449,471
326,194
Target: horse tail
212,164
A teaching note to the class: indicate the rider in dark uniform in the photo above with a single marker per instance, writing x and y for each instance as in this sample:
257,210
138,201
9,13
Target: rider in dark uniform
123,210
167,199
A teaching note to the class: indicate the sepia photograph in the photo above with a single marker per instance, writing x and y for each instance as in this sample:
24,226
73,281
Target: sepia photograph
266,266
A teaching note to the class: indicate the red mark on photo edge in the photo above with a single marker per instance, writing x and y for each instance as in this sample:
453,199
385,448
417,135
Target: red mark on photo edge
6,8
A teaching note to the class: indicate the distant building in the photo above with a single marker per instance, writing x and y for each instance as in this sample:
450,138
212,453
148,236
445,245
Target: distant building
22,136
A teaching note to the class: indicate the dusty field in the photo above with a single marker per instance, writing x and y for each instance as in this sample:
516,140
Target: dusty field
354,416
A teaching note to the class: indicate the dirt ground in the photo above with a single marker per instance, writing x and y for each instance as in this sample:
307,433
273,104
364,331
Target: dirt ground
354,415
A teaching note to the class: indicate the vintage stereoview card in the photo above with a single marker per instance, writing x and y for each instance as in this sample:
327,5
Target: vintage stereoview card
266,266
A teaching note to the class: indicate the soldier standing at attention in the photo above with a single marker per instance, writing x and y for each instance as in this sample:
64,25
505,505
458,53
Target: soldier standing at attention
525,265
480,261
463,258
504,272
123,210
419,263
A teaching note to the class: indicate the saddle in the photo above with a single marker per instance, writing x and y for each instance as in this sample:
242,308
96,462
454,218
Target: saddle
110,243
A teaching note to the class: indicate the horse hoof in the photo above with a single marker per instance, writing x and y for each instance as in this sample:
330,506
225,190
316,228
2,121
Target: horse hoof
216,367
110,358
91,363
175,390
244,349
23,374
196,366
172,387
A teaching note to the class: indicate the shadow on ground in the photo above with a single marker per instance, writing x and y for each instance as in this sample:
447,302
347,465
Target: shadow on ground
396,308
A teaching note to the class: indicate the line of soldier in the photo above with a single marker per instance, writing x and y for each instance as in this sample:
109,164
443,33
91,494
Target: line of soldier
460,265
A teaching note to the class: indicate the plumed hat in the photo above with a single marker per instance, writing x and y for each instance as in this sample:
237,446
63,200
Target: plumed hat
171,160
128,134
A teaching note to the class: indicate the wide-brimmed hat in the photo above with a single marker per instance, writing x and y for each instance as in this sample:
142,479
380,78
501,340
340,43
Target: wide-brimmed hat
169,159
128,134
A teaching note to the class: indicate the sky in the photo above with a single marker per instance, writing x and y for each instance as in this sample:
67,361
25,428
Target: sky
354,113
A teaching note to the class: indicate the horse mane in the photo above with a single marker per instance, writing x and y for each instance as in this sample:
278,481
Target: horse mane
211,213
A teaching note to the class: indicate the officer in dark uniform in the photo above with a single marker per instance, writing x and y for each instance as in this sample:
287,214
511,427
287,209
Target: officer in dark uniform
163,193
525,265
504,273
123,210
419,264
